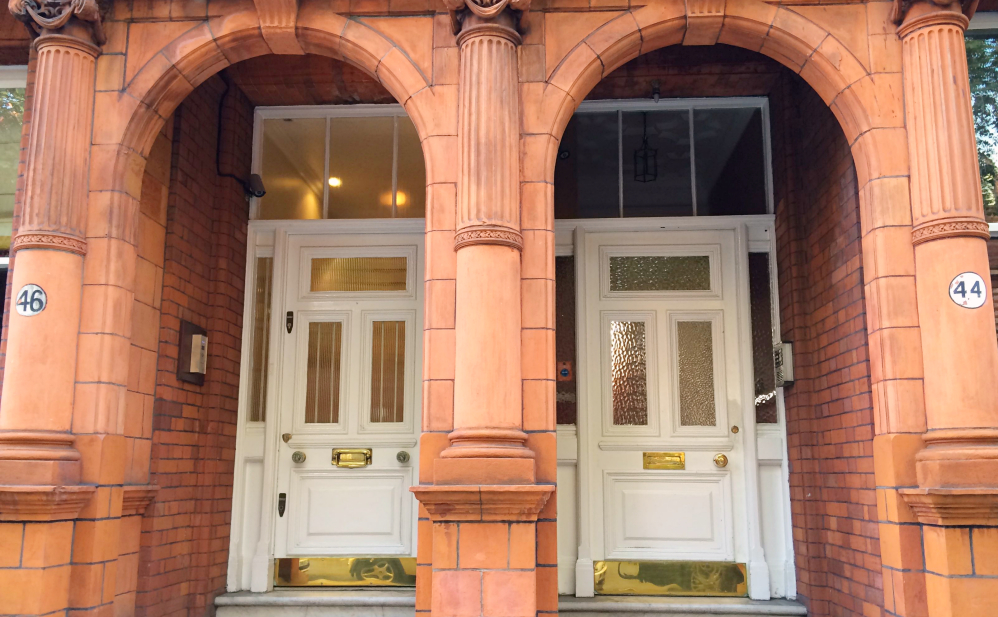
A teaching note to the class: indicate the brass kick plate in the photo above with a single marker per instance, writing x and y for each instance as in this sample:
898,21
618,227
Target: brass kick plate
345,572
670,578
664,460
352,457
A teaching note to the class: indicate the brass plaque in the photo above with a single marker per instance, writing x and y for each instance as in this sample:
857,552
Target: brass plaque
664,460
352,457
670,578
345,572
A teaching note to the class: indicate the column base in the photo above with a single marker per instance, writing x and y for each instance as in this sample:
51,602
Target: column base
958,458
38,458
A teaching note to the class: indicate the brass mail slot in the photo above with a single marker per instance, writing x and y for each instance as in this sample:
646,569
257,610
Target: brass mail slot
352,457
664,460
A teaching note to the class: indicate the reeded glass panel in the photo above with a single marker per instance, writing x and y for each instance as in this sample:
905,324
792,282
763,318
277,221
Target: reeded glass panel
629,373
695,344
564,339
11,117
358,274
410,197
656,156
292,160
261,330
322,382
760,297
660,273
730,161
586,182
387,371
360,167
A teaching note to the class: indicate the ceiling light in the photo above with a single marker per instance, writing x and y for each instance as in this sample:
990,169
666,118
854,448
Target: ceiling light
335,182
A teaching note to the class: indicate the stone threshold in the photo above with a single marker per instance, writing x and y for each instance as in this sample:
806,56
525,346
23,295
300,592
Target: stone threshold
402,602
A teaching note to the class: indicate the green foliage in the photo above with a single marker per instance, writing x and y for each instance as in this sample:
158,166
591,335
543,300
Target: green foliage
982,63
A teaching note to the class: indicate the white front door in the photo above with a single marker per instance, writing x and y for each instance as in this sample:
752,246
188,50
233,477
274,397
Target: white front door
349,409
665,381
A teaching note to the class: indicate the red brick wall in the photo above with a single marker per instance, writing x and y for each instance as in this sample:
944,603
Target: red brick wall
829,408
185,534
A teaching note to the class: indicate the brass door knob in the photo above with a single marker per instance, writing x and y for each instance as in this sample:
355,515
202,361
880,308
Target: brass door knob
721,460
298,457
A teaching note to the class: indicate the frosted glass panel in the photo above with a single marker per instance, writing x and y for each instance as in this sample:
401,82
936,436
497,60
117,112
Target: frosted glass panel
322,384
760,297
695,343
359,274
387,371
629,373
660,273
261,329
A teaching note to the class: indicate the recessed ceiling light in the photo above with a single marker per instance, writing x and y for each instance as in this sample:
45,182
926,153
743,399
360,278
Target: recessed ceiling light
335,182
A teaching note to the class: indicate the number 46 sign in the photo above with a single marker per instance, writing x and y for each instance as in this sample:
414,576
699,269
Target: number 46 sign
31,300
968,290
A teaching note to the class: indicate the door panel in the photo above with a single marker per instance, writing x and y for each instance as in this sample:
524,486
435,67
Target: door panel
664,377
351,365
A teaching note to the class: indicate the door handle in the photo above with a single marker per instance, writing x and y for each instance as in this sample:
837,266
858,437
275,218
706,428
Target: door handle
298,457
720,460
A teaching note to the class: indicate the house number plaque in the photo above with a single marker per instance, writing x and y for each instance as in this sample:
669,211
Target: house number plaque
31,300
968,290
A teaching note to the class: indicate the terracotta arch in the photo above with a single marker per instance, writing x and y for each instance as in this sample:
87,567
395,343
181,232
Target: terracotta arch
867,105
160,85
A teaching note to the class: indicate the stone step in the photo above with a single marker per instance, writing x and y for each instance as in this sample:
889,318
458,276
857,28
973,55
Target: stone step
402,602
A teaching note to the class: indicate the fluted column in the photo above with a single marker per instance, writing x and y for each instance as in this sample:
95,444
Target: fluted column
487,380
959,345
484,501
36,444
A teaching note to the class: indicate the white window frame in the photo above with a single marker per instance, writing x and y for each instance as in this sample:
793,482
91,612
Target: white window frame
689,105
325,112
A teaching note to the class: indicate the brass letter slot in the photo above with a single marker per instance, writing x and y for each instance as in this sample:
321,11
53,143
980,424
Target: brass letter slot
664,460
352,457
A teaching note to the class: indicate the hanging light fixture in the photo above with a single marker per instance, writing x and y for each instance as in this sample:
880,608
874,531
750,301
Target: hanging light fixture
645,157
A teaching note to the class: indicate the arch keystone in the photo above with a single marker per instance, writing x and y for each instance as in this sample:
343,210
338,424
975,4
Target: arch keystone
277,24
703,21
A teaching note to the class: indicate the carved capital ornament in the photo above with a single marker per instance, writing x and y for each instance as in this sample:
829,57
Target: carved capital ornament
68,17
485,10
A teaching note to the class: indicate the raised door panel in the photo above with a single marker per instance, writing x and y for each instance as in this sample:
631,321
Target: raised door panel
652,515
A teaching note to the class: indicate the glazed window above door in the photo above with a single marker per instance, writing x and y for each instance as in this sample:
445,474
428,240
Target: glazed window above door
680,157
364,161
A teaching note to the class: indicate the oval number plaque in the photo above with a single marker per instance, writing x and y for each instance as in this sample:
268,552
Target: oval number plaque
31,300
968,290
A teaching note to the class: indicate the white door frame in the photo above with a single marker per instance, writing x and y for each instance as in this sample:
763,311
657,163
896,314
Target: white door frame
251,551
749,229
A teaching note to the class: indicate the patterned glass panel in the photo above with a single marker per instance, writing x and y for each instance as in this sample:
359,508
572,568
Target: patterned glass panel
629,373
760,297
387,371
660,273
695,342
359,274
261,329
322,383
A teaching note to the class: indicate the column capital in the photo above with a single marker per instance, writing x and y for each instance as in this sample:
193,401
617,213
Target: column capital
467,15
911,15
521,503
73,19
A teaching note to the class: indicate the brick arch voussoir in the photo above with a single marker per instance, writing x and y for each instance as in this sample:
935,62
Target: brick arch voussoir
783,35
170,75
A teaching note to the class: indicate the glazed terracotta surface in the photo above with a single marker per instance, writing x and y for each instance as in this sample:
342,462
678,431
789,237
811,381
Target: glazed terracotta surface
88,390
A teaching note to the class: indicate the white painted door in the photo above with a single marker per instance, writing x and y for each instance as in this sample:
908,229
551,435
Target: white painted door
351,350
664,359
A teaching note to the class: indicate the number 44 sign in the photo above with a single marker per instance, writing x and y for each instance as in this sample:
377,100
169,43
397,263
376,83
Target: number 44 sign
968,290
31,300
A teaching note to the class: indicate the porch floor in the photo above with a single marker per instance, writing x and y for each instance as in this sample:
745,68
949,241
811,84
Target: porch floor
402,602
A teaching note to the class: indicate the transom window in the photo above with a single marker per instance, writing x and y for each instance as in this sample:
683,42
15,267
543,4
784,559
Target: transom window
675,157
341,162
